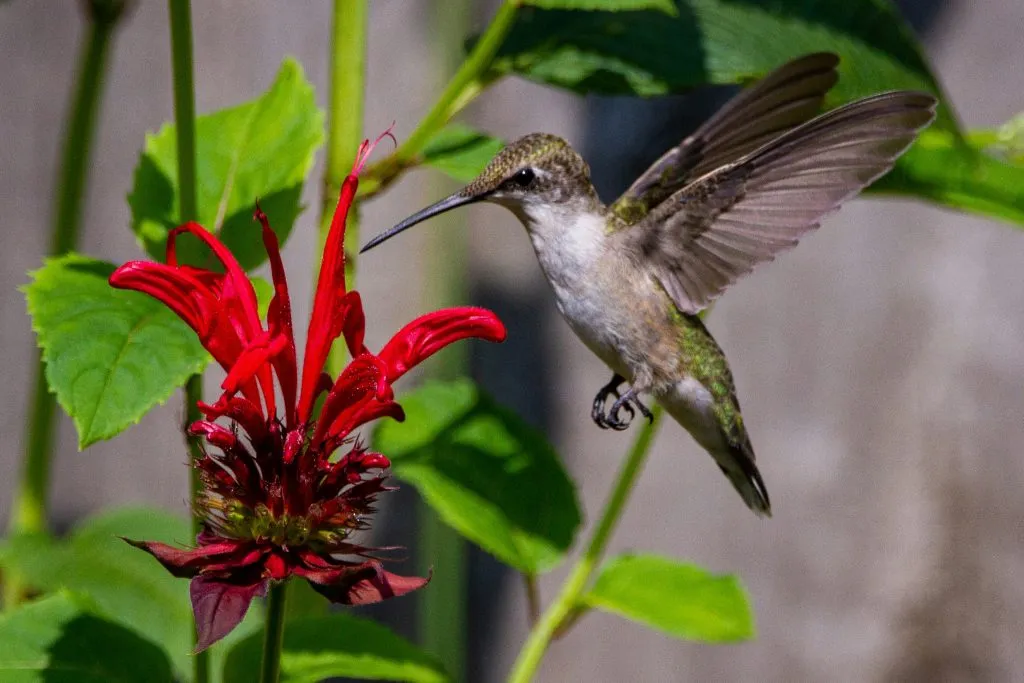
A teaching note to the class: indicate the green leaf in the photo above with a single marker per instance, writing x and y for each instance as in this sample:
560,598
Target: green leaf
262,150
486,473
336,645
460,151
126,584
59,640
110,355
962,175
666,6
714,42
679,599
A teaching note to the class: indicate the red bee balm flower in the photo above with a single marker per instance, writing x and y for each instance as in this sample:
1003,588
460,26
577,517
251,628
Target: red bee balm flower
274,502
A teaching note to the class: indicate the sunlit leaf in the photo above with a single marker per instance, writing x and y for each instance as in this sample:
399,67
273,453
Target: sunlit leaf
260,150
682,600
981,175
110,355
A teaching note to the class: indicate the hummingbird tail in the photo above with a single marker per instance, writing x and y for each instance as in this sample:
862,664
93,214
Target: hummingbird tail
746,479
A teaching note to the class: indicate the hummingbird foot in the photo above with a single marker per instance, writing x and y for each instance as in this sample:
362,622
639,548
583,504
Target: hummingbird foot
597,413
623,402
626,402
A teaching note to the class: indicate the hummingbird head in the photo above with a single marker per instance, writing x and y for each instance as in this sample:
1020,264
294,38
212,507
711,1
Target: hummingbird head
538,173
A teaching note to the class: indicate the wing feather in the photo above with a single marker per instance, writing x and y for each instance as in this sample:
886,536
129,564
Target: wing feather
717,228
787,97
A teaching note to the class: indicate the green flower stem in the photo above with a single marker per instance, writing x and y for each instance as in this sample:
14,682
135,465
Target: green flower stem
180,14
441,609
273,635
29,512
566,605
344,131
469,81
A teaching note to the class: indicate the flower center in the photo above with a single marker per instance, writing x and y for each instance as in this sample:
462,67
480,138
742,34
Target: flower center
286,530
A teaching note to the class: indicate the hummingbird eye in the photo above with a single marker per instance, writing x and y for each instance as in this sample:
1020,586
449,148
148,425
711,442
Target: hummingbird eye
523,177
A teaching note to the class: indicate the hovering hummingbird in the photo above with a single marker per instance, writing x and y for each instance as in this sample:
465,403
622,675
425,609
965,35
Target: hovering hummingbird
631,278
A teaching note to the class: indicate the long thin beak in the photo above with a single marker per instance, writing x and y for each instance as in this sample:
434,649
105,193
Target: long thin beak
457,199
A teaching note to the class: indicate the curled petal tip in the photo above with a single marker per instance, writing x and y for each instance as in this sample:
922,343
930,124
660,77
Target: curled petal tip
367,147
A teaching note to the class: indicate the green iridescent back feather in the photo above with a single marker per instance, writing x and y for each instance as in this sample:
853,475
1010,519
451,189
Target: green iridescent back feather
704,360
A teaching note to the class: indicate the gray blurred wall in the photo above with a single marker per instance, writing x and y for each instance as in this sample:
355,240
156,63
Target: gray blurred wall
880,364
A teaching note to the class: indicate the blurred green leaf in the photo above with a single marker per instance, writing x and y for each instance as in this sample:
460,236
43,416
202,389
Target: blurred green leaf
486,473
336,645
262,149
679,599
460,151
59,640
126,585
982,175
715,42
111,355
304,602
666,6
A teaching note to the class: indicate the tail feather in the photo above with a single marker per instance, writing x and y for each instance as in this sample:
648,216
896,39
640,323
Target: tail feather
747,481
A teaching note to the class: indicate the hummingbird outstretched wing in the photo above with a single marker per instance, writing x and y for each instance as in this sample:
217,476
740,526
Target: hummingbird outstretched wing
716,229
787,97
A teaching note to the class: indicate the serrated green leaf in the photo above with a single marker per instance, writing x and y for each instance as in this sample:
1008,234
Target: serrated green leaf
963,175
682,600
125,584
262,150
336,645
666,6
59,640
110,355
460,151
486,473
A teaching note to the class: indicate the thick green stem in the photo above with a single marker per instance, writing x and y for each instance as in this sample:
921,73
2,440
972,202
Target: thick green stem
567,603
273,635
468,82
180,13
344,131
29,512
184,106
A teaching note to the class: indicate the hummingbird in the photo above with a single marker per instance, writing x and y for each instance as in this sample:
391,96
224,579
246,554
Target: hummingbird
632,277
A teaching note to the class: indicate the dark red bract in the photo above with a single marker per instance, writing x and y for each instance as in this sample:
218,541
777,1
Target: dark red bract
277,500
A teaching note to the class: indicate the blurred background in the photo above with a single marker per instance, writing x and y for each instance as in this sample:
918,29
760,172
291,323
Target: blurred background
880,364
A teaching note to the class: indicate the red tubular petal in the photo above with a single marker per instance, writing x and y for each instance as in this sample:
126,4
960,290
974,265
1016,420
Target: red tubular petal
221,308
219,606
243,411
331,282
279,321
357,386
370,411
430,333
187,296
353,323
235,273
